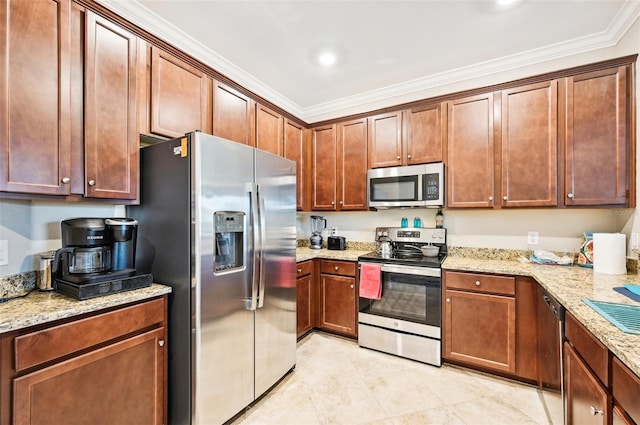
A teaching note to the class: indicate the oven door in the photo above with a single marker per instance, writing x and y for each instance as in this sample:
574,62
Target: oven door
409,294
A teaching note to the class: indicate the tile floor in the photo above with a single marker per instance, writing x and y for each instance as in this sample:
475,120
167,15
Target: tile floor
337,382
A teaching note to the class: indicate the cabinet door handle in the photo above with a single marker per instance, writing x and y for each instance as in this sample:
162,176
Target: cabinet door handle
333,203
161,343
491,198
340,202
570,195
398,157
505,198
595,411
351,286
65,180
477,283
409,156
448,300
92,182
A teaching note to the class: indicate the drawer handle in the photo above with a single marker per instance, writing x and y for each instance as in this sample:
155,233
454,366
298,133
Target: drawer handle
477,283
161,343
595,411
299,270
351,286
336,267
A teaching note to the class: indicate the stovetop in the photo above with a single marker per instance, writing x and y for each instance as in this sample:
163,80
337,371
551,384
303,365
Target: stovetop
407,242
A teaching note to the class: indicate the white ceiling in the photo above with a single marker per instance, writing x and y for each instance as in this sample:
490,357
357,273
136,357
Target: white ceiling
386,48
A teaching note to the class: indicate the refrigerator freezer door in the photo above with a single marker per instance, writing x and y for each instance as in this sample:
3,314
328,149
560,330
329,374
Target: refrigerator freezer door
224,325
275,320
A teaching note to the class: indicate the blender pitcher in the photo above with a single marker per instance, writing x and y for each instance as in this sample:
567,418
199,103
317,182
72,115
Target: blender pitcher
318,224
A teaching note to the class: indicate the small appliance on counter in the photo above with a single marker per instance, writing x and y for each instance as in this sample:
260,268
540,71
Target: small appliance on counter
318,224
337,243
97,258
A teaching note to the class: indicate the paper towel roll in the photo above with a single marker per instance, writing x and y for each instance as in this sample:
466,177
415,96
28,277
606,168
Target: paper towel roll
609,253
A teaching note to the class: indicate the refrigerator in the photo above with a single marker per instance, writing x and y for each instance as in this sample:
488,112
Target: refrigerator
217,223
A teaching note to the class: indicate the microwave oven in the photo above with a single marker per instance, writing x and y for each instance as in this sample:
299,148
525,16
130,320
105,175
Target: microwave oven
407,186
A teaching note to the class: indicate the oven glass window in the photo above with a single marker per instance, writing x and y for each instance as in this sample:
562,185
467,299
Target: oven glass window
402,188
408,297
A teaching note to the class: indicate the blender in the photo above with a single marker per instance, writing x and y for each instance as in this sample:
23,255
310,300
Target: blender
318,224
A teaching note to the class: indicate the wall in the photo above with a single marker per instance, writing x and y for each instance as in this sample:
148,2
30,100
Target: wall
32,227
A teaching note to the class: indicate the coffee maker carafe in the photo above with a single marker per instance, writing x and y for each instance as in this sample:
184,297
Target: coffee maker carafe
318,224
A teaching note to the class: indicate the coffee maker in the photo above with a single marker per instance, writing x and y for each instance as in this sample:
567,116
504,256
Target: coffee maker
97,257
318,224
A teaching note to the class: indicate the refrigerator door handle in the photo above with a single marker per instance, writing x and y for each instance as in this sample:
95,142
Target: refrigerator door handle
262,231
255,235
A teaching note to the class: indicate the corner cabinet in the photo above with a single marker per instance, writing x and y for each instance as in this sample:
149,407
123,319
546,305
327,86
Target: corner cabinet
296,148
113,363
338,297
597,150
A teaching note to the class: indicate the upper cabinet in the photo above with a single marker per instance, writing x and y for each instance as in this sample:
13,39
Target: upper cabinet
529,141
597,149
385,140
180,97
296,149
324,177
111,136
233,115
269,130
35,97
470,158
69,102
352,165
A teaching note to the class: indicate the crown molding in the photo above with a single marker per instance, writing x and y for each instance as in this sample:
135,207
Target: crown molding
158,26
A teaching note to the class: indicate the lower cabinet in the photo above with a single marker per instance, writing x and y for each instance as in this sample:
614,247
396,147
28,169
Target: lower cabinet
108,367
305,298
489,323
338,298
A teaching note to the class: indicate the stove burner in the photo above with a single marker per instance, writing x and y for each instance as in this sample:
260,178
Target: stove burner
408,254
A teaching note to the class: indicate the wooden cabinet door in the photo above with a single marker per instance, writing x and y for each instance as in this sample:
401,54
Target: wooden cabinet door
470,162
423,139
35,97
338,304
587,401
269,130
480,329
529,145
295,149
180,96
385,140
304,310
111,136
119,383
597,145
324,179
233,115
352,165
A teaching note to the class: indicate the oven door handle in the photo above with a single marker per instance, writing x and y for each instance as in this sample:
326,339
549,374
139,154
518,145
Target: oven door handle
419,271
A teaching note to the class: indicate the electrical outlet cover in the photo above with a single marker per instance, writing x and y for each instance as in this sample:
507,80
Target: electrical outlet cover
532,238
4,253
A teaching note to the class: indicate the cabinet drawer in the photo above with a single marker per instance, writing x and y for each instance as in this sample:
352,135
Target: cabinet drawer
304,268
626,388
503,285
344,268
592,351
48,344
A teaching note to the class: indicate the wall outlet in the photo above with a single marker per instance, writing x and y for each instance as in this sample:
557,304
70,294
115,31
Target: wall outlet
634,241
4,253
532,238
334,231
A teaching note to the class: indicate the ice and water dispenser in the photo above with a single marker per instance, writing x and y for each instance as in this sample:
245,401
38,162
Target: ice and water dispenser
229,246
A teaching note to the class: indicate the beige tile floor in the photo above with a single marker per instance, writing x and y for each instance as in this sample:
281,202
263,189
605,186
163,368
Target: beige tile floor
337,382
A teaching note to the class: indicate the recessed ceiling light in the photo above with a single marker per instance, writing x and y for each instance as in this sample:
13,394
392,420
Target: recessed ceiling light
327,58
507,3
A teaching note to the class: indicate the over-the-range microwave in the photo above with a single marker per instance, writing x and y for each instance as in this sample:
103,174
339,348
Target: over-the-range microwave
407,186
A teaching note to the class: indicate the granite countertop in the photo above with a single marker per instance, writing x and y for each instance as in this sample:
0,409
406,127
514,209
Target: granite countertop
569,285
42,307
304,253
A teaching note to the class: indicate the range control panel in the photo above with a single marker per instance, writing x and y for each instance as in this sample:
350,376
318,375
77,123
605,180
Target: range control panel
413,234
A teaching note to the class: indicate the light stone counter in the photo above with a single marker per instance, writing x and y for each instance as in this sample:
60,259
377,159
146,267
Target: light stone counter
569,285
303,254
42,307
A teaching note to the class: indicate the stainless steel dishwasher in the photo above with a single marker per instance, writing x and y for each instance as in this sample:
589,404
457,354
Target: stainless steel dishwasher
550,325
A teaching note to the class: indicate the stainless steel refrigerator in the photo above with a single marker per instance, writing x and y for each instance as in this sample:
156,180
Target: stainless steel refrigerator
217,224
